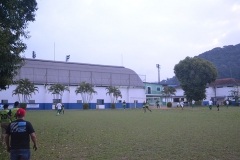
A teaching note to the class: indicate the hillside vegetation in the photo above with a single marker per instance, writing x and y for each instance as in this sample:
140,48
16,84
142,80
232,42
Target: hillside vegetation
226,60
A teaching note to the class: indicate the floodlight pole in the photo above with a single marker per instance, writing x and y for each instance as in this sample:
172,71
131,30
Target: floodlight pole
158,67
67,58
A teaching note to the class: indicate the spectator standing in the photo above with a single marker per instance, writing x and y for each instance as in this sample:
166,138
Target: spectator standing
20,132
4,121
124,104
217,103
157,103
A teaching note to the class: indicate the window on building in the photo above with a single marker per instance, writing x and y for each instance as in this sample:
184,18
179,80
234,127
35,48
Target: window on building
119,101
79,101
220,87
100,101
175,99
158,89
229,86
57,101
31,101
4,101
149,90
135,101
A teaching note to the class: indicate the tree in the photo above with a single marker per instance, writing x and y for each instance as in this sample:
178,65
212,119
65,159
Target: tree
194,74
235,93
114,93
25,88
168,91
14,19
57,90
86,90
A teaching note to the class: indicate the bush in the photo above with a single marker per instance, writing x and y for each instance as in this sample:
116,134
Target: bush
169,104
113,106
85,106
198,103
23,105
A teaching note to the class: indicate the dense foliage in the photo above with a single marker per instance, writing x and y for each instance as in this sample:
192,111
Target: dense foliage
226,60
169,104
24,90
85,106
15,16
172,80
168,92
57,90
86,90
114,93
194,74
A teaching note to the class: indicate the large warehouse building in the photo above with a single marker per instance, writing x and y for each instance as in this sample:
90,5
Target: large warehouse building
44,73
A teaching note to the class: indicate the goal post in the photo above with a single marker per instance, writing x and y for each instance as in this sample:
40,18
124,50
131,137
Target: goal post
137,102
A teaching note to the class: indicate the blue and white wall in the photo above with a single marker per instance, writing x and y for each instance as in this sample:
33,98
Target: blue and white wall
44,100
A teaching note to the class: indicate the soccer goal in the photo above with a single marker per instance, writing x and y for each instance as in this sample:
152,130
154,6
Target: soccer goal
138,102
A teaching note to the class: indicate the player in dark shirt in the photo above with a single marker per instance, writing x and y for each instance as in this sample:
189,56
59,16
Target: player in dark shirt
20,132
124,104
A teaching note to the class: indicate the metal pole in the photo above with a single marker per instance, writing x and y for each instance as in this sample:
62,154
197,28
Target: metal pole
158,67
54,51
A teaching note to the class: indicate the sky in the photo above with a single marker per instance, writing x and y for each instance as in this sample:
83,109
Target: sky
136,34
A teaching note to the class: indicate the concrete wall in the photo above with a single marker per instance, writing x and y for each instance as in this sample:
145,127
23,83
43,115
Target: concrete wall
224,91
69,99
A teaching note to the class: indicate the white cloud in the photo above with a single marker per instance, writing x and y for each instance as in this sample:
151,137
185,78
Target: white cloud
143,32
236,7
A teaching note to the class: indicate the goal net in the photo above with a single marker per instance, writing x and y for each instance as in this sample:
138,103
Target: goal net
136,102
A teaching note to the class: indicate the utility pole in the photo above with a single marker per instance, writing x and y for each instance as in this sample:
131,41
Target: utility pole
54,50
158,67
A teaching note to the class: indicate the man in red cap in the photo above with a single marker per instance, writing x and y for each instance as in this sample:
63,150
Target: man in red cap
20,132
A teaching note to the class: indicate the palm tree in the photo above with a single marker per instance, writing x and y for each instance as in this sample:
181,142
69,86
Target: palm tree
24,90
57,90
168,91
114,93
86,90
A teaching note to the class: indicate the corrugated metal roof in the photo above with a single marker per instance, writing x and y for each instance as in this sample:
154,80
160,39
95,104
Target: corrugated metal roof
49,72
225,81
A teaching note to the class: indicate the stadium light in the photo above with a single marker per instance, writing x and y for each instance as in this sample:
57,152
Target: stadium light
67,58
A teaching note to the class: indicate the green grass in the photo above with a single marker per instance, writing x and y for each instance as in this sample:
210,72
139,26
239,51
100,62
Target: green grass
120,135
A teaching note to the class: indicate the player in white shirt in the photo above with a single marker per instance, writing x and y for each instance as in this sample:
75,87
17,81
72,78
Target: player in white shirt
59,108
227,103
182,104
210,104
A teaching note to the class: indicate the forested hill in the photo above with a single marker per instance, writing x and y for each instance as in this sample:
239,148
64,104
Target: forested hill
226,60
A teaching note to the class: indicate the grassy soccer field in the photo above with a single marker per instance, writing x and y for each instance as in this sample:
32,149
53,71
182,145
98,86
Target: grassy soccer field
117,134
